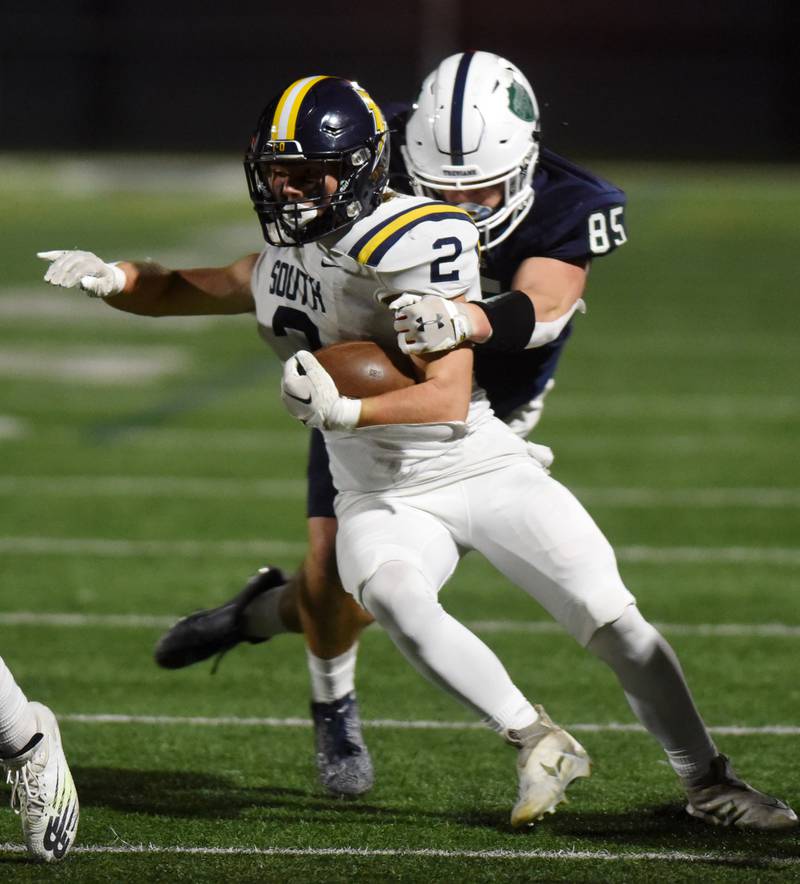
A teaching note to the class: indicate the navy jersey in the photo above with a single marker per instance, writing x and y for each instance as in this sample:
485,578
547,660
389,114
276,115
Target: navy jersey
576,216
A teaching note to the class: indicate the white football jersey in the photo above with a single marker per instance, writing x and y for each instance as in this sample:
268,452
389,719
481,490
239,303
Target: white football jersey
337,289
331,290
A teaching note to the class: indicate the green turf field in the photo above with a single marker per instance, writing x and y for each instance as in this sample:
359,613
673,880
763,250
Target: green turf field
147,467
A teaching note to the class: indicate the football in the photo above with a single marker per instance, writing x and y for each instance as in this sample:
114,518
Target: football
362,368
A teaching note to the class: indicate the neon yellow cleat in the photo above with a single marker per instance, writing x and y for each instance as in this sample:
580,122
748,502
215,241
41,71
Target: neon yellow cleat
43,793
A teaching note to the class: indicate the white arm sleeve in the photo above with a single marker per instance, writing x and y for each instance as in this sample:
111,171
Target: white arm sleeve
544,332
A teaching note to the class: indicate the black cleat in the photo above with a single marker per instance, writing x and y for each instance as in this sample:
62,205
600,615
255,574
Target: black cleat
343,762
205,633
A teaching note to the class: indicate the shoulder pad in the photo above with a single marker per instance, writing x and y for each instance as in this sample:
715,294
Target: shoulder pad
399,234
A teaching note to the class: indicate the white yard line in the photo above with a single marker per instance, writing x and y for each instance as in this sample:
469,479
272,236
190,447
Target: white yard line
199,487
766,498
759,860
546,627
215,439
114,548
93,365
776,730
44,304
12,427
95,546
232,440
672,405
722,555
153,486
746,630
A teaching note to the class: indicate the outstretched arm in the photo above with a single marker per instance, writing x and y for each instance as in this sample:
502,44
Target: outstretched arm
148,289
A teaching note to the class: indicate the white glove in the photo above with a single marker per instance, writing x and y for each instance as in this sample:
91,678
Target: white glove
310,395
70,268
429,324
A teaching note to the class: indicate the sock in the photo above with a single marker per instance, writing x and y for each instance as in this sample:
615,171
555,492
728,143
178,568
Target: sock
17,721
656,690
332,679
516,715
692,764
262,617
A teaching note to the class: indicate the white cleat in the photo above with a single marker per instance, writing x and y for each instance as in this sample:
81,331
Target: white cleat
549,760
43,793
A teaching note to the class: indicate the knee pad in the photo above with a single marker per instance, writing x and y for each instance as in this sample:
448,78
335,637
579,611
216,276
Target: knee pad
630,637
398,596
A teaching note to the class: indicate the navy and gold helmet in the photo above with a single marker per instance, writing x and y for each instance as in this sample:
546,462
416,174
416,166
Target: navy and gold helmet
328,126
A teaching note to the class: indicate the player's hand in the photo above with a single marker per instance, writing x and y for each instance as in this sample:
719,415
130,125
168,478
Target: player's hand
429,324
69,268
310,395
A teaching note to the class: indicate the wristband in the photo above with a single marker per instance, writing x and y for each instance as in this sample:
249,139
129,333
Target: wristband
120,277
344,414
513,320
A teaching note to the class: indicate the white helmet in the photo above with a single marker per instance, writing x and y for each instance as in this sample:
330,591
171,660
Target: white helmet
476,123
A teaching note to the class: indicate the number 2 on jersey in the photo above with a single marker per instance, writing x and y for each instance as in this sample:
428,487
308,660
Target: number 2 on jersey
437,272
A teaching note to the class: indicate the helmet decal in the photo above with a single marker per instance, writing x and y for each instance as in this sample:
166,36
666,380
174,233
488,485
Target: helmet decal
285,119
457,110
519,102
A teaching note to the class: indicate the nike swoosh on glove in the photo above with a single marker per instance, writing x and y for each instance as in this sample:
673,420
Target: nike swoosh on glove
310,395
70,268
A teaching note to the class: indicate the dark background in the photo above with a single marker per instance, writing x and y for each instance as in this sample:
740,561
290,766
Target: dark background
624,79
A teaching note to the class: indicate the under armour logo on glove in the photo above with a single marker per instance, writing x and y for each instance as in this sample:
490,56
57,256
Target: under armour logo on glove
429,324
421,323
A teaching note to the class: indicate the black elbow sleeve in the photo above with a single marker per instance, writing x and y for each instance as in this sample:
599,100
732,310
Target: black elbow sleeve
513,320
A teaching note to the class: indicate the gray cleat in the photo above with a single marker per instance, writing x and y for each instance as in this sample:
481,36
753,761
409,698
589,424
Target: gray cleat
722,799
343,762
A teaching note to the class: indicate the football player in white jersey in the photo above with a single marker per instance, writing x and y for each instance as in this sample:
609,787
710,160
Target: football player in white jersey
42,790
476,127
418,469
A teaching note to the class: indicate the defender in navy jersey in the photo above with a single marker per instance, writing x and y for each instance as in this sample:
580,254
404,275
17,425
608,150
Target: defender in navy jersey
570,214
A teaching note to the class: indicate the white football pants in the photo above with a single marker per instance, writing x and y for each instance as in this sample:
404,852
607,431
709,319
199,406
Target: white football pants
395,552
530,527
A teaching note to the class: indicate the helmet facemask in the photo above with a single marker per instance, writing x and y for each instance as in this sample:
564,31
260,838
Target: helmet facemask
495,224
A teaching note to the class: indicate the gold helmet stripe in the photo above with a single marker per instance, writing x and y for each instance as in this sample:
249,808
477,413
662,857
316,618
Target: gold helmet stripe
380,123
285,119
